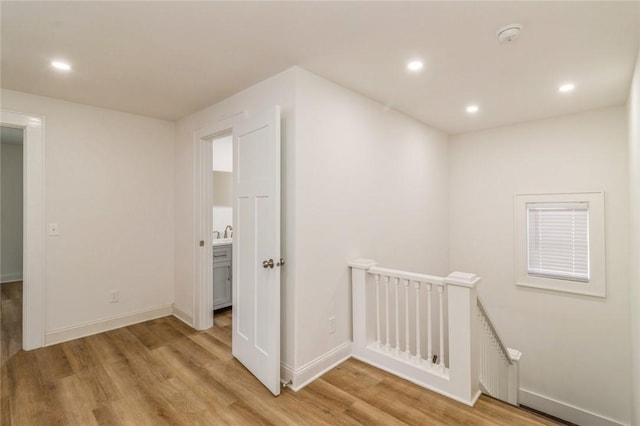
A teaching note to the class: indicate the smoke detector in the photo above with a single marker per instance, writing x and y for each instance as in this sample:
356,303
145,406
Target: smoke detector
508,33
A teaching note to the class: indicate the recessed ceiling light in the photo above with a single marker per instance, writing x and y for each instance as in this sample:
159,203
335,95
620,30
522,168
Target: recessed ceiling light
566,88
61,65
415,65
472,109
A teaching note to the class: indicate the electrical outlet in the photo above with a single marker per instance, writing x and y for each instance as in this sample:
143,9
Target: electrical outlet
332,325
115,296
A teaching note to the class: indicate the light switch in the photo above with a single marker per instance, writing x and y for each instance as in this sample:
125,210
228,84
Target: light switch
54,229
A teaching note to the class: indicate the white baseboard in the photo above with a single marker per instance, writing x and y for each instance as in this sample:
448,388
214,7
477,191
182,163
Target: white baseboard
563,411
182,315
297,379
11,277
93,327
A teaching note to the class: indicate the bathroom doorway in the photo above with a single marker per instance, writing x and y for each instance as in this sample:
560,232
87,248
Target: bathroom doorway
207,219
222,222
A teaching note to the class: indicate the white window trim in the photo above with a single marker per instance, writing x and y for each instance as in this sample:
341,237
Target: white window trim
597,283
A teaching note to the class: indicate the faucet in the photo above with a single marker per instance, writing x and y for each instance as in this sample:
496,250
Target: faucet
216,234
228,231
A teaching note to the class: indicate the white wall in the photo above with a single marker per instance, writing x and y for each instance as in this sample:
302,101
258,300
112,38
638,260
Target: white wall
11,226
223,154
358,180
634,234
576,348
109,186
370,182
275,90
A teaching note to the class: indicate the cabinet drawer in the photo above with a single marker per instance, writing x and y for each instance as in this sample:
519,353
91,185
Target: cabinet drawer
221,254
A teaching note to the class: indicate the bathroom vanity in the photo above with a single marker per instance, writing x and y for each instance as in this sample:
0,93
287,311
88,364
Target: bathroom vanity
221,274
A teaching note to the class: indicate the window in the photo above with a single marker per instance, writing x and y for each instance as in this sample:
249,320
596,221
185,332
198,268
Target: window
560,242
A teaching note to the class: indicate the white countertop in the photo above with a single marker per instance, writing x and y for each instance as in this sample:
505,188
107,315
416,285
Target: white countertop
222,241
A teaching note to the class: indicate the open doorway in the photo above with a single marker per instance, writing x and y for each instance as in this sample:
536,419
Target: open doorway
213,219
33,317
222,224
11,238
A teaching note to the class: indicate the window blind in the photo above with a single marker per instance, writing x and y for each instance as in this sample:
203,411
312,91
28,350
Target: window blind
558,240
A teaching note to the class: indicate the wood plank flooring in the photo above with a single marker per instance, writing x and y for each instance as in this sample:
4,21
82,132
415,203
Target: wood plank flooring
163,372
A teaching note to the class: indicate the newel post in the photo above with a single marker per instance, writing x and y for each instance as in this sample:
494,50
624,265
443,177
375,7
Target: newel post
463,334
359,268
513,376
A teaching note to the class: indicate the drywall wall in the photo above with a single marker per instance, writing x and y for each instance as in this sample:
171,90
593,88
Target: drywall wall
358,180
109,187
11,204
277,90
222,189
634,235
223,154
576,348
370,182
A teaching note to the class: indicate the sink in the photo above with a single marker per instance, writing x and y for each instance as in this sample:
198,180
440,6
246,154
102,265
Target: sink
222,241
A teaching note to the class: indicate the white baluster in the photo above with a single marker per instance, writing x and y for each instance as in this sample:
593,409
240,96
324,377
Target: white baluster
484,351
503,388
407,346
499,373
418,354
495,365
489,350
386,288
429,329
378,341
482,354
396,283
490,366
441,350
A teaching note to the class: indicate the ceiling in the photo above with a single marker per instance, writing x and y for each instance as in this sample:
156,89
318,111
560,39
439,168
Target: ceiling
169,59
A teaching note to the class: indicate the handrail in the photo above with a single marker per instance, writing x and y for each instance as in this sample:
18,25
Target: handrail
375,270
495,332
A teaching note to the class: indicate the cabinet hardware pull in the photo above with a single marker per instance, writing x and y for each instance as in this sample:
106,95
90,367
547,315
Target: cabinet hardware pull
267,264
281,263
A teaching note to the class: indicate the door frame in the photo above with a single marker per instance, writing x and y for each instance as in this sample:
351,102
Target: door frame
202,229
33,255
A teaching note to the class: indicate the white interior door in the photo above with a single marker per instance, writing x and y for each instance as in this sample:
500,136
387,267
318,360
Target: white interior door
256,246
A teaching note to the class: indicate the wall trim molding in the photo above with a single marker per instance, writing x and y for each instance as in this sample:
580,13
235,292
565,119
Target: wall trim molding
65,334
312,370
182,315
11,277
563,410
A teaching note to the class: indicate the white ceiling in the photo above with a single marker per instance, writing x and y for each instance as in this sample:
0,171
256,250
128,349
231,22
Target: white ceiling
169,59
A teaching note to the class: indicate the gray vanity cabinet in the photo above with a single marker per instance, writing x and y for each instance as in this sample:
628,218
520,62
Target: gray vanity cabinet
222,276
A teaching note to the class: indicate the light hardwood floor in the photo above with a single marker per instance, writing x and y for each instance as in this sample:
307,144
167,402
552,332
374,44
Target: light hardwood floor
164,372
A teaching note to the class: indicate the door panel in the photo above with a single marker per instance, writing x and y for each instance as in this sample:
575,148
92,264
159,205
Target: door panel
256,289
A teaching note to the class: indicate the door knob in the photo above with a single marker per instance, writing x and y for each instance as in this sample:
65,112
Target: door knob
267,264
281,263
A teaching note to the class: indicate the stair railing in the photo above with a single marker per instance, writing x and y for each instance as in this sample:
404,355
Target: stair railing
498,366
431,330
420,327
